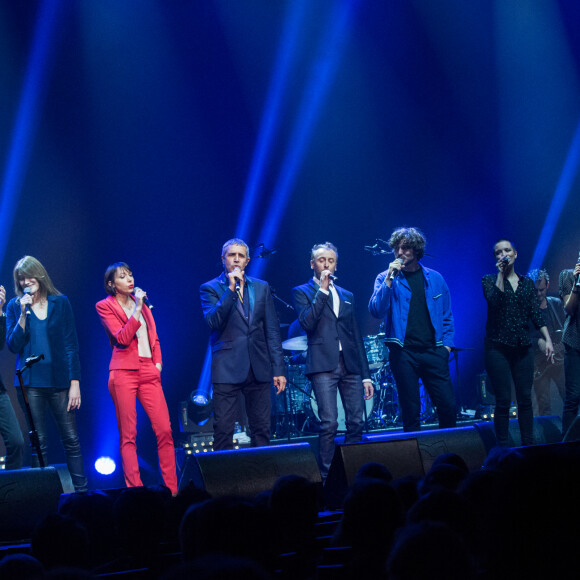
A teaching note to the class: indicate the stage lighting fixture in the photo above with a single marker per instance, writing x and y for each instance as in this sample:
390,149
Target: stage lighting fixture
105,465
199,408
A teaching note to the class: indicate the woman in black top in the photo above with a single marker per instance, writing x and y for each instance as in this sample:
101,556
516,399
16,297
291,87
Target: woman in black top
511,302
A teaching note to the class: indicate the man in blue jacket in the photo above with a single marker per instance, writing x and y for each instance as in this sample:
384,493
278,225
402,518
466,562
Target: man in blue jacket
419,330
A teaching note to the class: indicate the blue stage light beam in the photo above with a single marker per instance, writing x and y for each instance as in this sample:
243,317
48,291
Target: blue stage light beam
27,116
559,200
322,74
271,116
266,134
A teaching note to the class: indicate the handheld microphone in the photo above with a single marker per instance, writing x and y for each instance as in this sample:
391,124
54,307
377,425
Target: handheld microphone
505,260
395,272
333,277
237,280
146,302
28,293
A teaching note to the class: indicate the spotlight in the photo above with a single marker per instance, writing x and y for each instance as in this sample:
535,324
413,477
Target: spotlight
199,408
105,465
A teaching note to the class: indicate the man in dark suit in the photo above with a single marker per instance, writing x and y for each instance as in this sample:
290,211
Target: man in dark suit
336,359
246,347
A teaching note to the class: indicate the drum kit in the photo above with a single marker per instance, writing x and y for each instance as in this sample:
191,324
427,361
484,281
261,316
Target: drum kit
297,412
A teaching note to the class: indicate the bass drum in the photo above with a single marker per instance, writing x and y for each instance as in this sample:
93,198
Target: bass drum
341,416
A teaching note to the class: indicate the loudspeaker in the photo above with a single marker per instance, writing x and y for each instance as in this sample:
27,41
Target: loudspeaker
27,496
573,433
401,457
463,441
248,472
547,429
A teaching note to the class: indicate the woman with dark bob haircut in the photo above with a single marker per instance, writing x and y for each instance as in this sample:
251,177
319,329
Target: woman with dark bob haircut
40,321
135,372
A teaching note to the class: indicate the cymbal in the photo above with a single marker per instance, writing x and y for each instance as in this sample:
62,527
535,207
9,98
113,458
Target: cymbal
296,343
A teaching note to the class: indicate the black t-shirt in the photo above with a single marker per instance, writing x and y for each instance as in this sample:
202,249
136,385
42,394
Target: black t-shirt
420,332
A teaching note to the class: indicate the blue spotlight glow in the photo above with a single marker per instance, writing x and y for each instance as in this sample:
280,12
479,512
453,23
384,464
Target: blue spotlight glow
322,73
105,465
266,134
26,118
204,384
558,202
271,116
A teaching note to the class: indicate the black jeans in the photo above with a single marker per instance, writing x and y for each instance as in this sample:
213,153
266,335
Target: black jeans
57,400
431,365
572,401
505,364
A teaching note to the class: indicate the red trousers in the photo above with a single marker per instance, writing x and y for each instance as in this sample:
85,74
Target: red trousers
145,384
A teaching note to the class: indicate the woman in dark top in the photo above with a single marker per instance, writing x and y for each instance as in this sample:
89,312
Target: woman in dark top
511,302
40,321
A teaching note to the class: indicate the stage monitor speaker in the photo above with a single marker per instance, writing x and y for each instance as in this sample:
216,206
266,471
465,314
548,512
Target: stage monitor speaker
27,496
400,456
547,429
463,441
573,433
248,472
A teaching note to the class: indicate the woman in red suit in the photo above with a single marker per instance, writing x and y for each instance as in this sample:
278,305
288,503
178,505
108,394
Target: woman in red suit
135,372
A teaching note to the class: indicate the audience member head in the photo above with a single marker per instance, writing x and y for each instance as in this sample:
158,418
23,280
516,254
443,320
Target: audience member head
139,521
294,506
442,476
373,470
58,541
94,511
204,522
429,550
21,567
372,513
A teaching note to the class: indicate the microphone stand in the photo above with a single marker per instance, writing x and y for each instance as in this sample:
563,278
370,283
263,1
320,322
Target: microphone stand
274,295
32,434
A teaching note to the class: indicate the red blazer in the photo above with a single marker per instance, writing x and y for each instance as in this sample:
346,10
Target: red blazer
122,333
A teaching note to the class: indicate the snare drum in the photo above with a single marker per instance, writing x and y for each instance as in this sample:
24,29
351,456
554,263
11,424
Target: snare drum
341,416
376,349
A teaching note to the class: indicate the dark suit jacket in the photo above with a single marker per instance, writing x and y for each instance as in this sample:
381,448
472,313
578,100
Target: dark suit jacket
122,333
62,335
324,330
236,342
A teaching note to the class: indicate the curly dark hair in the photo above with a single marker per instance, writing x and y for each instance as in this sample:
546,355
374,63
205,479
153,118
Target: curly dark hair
410,237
